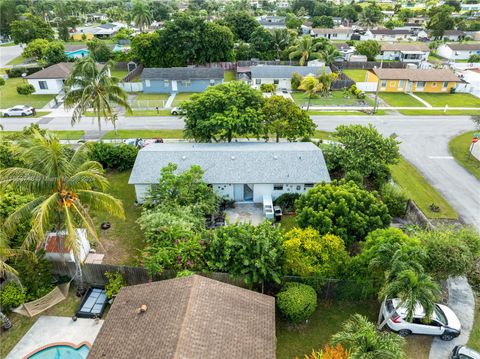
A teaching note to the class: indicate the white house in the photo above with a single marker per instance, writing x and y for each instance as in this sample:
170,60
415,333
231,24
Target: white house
339,33
389,35
282,75
56,250
404,52
272,22
239,171
458,51
453,35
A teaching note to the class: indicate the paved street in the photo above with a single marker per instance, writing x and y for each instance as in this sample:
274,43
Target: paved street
8,53
424,143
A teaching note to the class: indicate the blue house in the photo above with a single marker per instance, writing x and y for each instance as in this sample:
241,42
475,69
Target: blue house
180,79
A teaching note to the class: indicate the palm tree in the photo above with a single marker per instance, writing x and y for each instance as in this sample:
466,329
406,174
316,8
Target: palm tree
329,54
311,86
89,87
364,342
304,49
280,39
66,187
364,19
141,14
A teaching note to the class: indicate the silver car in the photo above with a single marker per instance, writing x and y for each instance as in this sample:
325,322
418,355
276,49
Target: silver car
19,111
444,322
462,352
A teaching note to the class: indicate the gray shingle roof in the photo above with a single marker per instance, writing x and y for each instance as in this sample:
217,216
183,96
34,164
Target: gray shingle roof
240,162
192,317
390,32
285,72
464,47
182,73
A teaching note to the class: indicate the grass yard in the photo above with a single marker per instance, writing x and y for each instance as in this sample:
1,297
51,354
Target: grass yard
460,149
62,135
124,240
229,75
452,100
474,340
9,96
17,60
356,75
38,114
287,222
152,97
120,74
336,99
439,112
420,191
22,324
322,135
144,134
400,100
182,96
152,113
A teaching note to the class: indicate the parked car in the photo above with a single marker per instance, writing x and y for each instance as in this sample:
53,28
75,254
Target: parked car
462,352
178,111
19,111
444,322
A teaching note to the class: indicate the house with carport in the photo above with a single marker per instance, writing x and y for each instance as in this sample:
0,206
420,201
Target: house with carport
281,75
404,52
338,33
458,51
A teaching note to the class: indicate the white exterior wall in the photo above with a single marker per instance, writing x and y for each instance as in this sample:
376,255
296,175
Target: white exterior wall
397,55
141,191
344,36
224,190
282,83
54,86
445,51
476,150
448,53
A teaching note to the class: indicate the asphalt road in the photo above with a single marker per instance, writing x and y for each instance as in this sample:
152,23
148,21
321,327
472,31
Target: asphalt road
424,143
8,53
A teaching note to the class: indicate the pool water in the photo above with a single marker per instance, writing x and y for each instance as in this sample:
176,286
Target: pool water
61,352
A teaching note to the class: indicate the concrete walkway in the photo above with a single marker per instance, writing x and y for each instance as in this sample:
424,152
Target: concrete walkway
170,99
420,99
462,302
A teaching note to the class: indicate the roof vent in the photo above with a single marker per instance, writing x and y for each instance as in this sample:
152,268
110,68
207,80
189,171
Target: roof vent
184,158
275,157
232,158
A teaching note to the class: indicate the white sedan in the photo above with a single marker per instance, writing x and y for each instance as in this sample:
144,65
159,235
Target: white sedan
19,111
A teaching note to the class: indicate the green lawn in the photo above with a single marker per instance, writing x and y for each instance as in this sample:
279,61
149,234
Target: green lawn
124,240
152,113
420,191
22,324
17,60
229,75
452,100
287,222
323,135
8,44
38,114
63,135
152,96
120,74
182,96
144,134
439,112
9,96
460,149
356,75
336,99
474,340
400,100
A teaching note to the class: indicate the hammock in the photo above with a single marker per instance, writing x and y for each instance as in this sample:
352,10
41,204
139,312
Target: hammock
39,305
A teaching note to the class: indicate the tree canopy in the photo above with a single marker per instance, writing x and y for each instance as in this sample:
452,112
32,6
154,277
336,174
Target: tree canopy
369,48
31,28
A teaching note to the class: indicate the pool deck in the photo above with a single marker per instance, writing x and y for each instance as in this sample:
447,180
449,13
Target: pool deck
50,330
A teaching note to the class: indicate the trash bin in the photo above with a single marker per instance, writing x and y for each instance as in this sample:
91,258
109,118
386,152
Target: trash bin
278,213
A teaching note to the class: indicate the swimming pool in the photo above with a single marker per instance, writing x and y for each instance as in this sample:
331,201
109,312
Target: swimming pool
62,352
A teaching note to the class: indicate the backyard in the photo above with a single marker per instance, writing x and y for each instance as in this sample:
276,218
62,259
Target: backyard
9,96
452,100
335,98
459,147
400,100
119,74
356,75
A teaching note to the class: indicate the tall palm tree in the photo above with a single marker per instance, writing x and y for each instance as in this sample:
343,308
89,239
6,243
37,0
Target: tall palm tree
311,86
363,340
89,87
329,54
66,188
141,14
304,49
280,39
365,20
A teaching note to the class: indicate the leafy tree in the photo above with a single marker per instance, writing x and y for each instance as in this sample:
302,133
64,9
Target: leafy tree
8,9
116,13
326,79
293,22
184,189
363,340
35,273
307,253
396,199
370,16
160,10
323,22
343,209
99,50
296,80
369,48
349,13
144,48
297,301
440,20
454,4
304,49
63,33
474,58
141,14
55,53
283,118
311,86
262,42
280,41
223,112
244,51
29,29
329,54
242,25
245,251
36,49
90,88
218,43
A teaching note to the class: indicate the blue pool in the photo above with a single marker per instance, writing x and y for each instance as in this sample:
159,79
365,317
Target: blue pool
61,352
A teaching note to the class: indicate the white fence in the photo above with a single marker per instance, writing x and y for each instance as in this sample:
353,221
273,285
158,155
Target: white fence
131,86
367,86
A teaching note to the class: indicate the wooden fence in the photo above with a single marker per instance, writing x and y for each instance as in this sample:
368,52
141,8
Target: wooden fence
342,81
338,66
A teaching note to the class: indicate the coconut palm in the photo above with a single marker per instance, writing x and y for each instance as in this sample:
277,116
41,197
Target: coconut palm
304,49
329,54
311,86
141,14
364,342
365,20
90,88
280,40
66,188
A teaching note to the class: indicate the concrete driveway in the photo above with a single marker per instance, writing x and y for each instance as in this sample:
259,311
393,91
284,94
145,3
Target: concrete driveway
8,53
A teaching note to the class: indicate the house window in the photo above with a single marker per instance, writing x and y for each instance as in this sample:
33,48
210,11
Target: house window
434,84
212,82
384,83
43,85
278,187
420,84
147,83
400,84
308,185
445,84
258,81
166,83
186,83
276,82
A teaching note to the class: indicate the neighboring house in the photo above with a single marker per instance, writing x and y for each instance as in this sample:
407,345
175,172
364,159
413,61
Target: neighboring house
404,52
56,250
339,33
189,317
240,171
272,22
414,80
388,35
76,51
471,76
281,75
453,35
101,31
458,51
180,79
470,7
344,49
97,17
306,27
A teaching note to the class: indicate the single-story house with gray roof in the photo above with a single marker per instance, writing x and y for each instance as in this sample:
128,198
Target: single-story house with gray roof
240,171
282,75
180,79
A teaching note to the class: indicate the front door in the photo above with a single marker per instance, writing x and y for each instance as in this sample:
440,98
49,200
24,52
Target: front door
174,86
248,192
238,192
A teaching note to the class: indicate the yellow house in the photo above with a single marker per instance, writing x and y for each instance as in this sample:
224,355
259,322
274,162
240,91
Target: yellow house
78,36
413,80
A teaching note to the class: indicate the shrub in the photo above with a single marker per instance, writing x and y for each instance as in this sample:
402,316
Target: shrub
2,81
25,89
18,71
297,301
114,284
354,176
119,157
474,58
296,80
35,275
287,201
11,296
395,199
268,87
185,273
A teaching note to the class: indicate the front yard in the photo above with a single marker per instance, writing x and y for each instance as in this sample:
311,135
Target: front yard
356,75
144,134
459,147
149,100
452,100
449,112
9,96
336,98
62,135
400,100
182,96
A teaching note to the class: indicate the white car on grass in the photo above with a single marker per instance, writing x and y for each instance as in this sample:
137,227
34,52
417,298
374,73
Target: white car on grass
19,111
444,322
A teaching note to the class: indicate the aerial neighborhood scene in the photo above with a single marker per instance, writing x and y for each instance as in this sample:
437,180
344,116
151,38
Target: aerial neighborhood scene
291,179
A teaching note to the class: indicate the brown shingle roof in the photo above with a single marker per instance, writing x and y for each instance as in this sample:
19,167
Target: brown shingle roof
57,71
405,47
338,30
416,74
390,32
192,317
464,47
